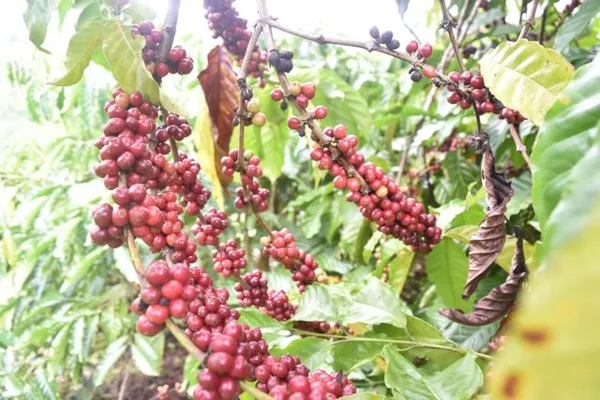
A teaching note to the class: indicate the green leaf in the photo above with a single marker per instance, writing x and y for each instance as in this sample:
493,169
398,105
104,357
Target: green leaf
112,354
82,46
525,76
273,331
76,339
460,381
59,345
576,24
139,12
461,175
37,16
48,390
447,266
316,304
370,246
147,353
564,156
124,264
123,53
389,248
9,248
556,324
312,351
79,270
399,268
311,219
367,396
349,355
522,197
90,13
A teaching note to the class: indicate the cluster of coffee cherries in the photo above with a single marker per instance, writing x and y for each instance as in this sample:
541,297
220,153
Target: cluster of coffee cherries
107,233
229,259
186,183
281,246
173,128
289,379
168,294
176,62
258,197
252,289
123,147
300,95
254,117
281,61
381,199
207,230
225,22
386,38
478,95
278,306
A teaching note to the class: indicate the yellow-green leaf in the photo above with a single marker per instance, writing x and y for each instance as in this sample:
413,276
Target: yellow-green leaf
123,53
526,76
552,347
82,46
37,16
203,140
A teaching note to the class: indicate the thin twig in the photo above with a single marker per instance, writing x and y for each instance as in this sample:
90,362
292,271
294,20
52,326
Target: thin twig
135,254
464,24
369,46
184,340
169,29
448,25
528,24
344,339
408,28
543,26
123,388
521,148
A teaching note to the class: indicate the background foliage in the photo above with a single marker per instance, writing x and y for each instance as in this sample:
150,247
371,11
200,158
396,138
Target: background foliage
66,330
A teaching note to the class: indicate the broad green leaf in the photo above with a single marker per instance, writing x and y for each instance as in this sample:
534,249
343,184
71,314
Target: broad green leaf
316,304
79,270
311,218
124,264
522,197
370,246
367,396
399,268
37,16
76,339
59,346
190,371
565,157
90,13
505,258
460,381
374,303
82,46
526,76
273,331
461,175
447,266
312,351
349,355
139,12
111,355
111,325
147,353
576,24
462,233
553,335
123,52
389,248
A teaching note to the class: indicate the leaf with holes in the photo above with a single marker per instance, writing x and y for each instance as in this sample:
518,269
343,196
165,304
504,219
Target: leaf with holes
219,84
526,76
82,46
566,152
123,53
499,301
487,243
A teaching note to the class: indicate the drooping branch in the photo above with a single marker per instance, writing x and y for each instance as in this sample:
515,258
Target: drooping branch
169,29
521,148
529,22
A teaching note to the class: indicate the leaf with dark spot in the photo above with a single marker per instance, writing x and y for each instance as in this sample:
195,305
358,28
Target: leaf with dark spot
487,243
499,301
219,84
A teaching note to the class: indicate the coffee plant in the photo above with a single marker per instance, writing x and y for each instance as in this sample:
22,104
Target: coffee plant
366,218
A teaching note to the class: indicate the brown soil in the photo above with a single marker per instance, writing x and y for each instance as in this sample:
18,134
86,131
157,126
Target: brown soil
141,387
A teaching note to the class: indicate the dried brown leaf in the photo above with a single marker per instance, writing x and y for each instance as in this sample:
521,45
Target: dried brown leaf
499,301
487,243
219,83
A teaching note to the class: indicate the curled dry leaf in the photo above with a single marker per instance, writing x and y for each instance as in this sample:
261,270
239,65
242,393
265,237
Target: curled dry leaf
487,243
499,301
218,81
